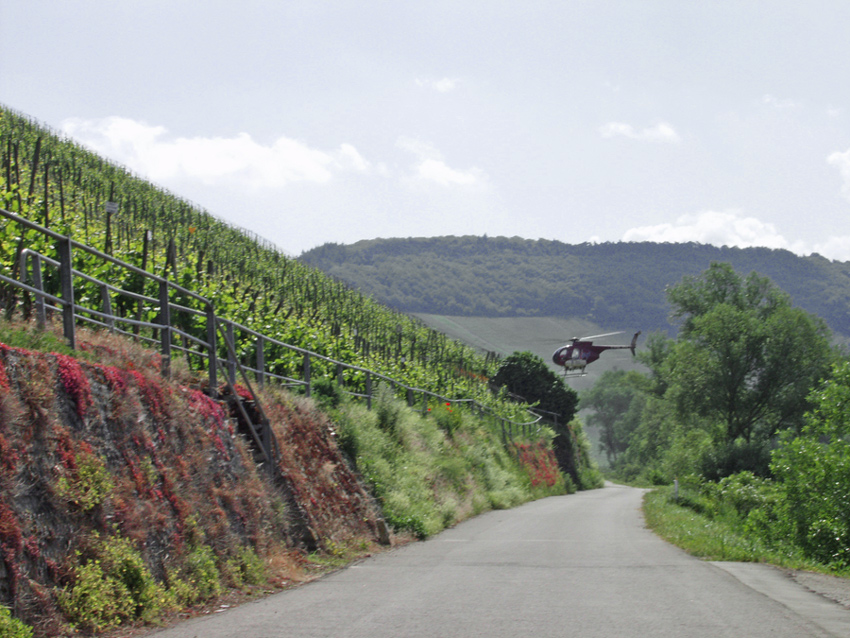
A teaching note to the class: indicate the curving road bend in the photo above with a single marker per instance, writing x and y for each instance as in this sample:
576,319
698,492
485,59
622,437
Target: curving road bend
582,565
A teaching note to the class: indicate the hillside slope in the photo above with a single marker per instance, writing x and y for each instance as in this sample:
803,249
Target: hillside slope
54,182
106,464
135,479
125,496
616,285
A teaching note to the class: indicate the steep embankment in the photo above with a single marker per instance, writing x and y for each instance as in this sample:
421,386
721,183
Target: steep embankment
124,496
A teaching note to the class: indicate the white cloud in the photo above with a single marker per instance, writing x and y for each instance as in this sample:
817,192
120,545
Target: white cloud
149,150
733,228
661,132
842,161
443,85
719,228
834,248
431,167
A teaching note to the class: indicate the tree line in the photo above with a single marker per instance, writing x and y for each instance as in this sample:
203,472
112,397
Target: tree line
612,284
747,406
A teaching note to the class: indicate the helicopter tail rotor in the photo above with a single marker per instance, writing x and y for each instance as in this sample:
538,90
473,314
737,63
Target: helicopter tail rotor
634,342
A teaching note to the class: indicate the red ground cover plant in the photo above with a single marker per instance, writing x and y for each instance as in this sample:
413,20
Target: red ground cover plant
540,463
172,475
324,485
152,393
4,379
11,538
11,544
116,379
243,392
212,413
75,383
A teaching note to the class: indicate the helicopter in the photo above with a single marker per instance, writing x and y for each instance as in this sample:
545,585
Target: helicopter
575,356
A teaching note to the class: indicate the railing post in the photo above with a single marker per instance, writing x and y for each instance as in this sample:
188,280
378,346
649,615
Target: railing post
424,403
340,380
66,278
40,312
231,354
410,397
165,332
107,307
261,361
307,374
212,350
368,390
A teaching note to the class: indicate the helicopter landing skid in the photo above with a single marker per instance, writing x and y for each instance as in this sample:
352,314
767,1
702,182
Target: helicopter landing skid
577,372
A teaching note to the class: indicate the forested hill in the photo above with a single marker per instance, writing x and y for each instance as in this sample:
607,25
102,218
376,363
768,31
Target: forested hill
616,285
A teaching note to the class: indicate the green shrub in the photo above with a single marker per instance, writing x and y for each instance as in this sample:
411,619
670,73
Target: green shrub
183,592
96,601
685,456
245,568
449,418
737,456
121,560
328,393
90,484
202,572
813,472
744,492
12,627
113,587
388,410
408,522
590,478
253,567
347,437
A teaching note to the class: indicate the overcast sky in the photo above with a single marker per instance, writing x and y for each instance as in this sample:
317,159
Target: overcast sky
312,122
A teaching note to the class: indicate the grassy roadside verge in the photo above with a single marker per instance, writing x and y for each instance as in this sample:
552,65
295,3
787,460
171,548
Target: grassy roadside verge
715,539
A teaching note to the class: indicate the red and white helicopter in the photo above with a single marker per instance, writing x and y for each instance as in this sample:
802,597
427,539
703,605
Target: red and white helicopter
575,356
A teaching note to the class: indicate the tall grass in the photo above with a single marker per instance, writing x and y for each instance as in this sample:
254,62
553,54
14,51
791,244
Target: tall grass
432,470
691,523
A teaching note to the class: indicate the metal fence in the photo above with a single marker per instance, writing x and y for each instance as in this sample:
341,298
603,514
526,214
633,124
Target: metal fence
179,321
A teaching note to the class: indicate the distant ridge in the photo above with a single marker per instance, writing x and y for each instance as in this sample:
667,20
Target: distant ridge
616,285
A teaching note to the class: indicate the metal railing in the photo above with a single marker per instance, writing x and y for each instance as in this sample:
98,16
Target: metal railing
167,326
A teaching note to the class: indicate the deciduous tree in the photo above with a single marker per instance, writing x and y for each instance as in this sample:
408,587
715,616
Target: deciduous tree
745,357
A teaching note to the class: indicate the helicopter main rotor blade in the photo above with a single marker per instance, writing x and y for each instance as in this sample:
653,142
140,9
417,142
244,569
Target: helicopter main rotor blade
607,334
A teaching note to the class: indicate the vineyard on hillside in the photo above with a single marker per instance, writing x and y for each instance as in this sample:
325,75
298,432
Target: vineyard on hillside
60,185
109,461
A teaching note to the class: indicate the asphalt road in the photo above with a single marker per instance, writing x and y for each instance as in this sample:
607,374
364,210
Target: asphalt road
580,565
